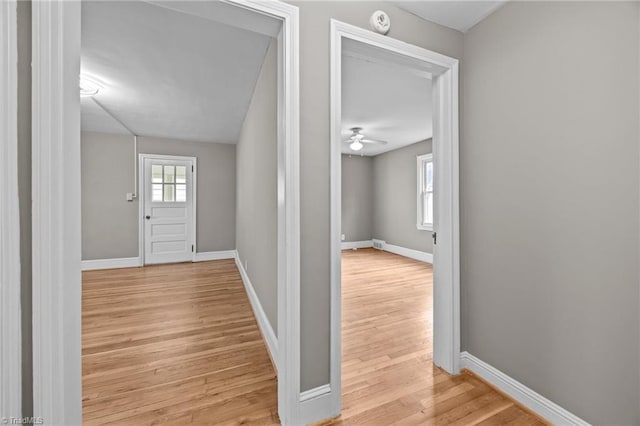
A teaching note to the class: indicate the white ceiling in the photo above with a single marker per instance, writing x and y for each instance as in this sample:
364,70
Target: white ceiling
459,15
168,73
390,102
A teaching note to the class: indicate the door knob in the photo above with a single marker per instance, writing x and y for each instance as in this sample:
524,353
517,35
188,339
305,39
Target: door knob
148,217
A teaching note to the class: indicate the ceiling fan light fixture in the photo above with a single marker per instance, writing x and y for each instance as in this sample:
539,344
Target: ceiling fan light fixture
356,145
88,87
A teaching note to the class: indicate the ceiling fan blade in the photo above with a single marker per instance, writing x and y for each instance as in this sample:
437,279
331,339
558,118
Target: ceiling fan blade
373,141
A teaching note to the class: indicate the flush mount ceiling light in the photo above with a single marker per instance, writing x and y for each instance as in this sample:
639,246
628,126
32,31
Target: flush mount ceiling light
356,141
88,87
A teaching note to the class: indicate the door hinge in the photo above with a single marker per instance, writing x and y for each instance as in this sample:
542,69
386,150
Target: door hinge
191,248
192,168
434,235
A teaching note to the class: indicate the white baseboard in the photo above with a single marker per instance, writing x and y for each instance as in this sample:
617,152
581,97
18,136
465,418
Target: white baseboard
349,245
125,262
516,390
316,405
215,255
315,392
422,256
132,262
263,322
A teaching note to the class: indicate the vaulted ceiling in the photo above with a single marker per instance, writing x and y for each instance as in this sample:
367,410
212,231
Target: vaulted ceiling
162,72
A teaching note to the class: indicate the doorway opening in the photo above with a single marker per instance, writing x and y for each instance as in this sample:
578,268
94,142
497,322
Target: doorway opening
387,224
164,85
434,186
58,376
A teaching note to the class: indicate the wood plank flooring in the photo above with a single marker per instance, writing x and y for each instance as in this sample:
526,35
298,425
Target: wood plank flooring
388,377
178,344
173,344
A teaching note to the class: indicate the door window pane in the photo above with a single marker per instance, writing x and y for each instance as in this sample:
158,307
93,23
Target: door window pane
169,193
168,183
425,192
156,173
156,192
169,174
181,193
427,208
181,174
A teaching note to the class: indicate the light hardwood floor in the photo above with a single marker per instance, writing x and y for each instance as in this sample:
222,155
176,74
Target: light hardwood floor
173,344
387,372
178,344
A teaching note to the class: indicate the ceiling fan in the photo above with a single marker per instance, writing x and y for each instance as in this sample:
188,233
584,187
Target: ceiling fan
357,140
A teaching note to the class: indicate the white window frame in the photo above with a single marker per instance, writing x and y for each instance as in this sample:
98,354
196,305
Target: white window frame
421,159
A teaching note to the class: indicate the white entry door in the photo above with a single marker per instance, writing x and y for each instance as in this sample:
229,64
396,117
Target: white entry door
169,218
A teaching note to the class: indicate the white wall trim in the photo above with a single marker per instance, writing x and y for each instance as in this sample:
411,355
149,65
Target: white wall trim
56,200
125,262
288,77
521,393
132,262
10,285
261,317
445,137
315,403
215,255
422,256
315,392
349,245
56,242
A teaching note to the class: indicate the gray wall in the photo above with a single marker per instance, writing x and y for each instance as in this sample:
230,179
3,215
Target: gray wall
379,198
315,152
549,202
395,200
110,223
257,191
24,187
357,197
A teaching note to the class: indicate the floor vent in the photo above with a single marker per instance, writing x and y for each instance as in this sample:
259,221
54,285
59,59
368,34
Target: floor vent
378,244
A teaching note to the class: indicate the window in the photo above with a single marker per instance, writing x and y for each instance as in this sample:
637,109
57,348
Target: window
425,192
168,183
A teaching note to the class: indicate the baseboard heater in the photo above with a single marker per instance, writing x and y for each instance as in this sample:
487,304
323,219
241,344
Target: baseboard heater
378,244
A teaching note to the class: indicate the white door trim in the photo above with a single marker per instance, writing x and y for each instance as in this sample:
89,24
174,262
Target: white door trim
141,199
57,374
10,320
56,200
446,253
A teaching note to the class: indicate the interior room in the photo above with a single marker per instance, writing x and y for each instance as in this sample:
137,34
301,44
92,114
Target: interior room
179,165
387,225
241,299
